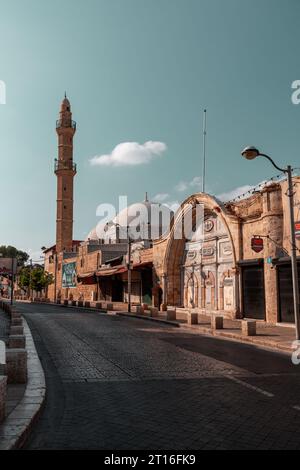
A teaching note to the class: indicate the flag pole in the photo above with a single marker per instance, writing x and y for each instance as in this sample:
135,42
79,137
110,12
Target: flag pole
204,152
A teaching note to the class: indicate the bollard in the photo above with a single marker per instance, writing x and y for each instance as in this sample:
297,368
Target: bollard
16,330
248,327
3,380
16,341
99,305
80,303
66,303
110,307
192,318
217,322
87,304
16,366
171,315
16,322
154,312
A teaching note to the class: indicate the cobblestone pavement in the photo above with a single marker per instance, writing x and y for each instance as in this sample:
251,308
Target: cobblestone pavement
116,383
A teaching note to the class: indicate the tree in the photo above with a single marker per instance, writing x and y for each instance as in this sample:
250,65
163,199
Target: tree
12,252
34,278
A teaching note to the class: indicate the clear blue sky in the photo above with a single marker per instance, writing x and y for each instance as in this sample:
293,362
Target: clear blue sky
138,71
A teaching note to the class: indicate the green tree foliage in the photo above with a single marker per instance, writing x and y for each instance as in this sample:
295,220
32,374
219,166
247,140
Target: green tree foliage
12,252
34,278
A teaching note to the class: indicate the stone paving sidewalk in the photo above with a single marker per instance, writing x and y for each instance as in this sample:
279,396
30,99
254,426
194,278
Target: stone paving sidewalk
270,336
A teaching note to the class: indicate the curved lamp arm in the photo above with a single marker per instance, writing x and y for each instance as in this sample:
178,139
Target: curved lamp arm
283,170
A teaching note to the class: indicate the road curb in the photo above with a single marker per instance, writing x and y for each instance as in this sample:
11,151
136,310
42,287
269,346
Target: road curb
158,320
17,426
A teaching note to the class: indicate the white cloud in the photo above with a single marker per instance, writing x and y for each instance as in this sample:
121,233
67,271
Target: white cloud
130,153
182,186
161,197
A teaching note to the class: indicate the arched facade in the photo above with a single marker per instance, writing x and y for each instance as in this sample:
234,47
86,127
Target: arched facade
201,272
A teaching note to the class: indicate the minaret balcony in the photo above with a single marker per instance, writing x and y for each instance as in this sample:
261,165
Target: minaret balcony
65,123
64,165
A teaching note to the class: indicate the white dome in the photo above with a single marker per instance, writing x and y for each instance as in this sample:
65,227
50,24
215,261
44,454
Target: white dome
146,220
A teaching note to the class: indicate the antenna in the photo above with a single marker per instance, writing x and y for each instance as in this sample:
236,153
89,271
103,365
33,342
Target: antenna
204,152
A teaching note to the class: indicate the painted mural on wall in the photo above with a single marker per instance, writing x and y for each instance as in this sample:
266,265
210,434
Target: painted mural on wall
69,276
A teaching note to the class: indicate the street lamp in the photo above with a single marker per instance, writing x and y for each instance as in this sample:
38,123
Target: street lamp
250,153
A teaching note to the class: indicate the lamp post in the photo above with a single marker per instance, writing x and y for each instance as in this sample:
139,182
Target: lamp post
250,153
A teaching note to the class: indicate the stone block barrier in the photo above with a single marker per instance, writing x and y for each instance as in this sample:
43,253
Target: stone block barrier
87,304
98,305
249,327
16,341
217,322
16,366
73,303
3,380
66,303
171,315
16,322
154,312
16,330
192,318
110,306
80,303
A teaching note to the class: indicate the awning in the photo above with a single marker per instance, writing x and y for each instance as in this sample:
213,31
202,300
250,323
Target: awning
111,271
145,264
87,278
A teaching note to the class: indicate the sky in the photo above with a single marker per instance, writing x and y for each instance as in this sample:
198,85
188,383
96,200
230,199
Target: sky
139,74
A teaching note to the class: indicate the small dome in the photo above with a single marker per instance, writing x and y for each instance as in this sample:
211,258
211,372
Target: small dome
146,220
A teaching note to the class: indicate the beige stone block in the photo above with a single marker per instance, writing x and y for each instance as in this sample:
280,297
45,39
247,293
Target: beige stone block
16,342
110,306
3,380
217,322
154,312
192,318
98,305
249,327
87,304
16,330
171,315
16,366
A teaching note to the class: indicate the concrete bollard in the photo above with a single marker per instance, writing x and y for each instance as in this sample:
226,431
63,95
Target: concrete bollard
87,304
110,307
16,322
217,322
146,312
17,330
58,301
16,342
139,310
16,366
192,318
73,303
3,381
154,312
171,315
66,303
80,303
15,314
98,305
248,327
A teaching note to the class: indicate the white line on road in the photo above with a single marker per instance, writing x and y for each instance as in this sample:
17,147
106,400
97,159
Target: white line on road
252,387
296,407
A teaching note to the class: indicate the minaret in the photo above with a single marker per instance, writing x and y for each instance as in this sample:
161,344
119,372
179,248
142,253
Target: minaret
65,171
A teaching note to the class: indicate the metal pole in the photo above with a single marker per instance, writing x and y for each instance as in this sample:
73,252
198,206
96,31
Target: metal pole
293,252
30,281
12,282
129,271
204,152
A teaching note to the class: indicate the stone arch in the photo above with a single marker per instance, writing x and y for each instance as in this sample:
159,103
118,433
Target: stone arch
175,247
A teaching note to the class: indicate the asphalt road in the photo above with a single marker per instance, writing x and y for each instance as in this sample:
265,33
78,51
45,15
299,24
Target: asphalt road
117,383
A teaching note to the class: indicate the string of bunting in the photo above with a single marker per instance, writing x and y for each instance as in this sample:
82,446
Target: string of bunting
281,176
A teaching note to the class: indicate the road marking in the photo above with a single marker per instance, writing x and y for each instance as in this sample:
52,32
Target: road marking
296,407
251,387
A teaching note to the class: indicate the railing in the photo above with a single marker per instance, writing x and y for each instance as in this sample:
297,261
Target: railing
64,165
65,123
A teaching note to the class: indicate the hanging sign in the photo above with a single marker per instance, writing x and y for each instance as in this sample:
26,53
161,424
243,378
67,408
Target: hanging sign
297,230
257,244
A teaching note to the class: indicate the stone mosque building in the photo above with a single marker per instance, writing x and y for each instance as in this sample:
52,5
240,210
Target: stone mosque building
239,266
